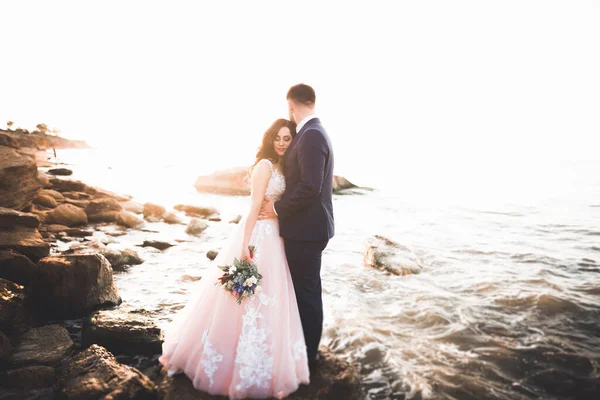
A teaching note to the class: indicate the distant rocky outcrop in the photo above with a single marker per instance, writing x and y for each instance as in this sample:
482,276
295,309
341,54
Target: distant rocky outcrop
24,138
235,181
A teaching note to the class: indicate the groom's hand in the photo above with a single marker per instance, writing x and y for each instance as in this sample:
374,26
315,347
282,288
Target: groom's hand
267,210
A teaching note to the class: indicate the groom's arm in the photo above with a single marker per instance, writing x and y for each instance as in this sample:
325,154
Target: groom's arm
312,155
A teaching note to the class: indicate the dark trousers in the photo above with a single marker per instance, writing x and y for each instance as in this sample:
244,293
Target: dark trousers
304,259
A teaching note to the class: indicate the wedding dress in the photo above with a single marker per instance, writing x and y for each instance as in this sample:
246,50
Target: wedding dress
255,349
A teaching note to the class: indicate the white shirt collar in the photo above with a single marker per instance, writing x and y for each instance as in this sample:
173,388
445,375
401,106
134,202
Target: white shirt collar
304,121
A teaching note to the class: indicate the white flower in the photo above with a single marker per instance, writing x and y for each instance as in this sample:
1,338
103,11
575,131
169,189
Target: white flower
232,269
258,289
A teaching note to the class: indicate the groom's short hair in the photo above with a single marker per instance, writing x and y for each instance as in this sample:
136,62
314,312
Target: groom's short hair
302,94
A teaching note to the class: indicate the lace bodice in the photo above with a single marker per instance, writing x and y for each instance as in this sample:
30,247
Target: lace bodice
276,185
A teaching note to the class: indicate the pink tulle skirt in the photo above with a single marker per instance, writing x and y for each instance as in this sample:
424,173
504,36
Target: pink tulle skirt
255,349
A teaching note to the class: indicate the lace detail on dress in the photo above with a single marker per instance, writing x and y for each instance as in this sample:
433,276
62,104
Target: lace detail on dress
276,185
300,350
210,357
254,355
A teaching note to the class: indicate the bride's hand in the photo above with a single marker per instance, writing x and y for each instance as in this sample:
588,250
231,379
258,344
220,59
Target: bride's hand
246,254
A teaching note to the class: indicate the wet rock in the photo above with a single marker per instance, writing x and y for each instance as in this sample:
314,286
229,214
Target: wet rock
387,255
196,227
45,201
96,374
195,211
157,244
5,347
47,345
120,258
53,193
16,267
26,241
103,210
172,218
11,219
236,220
212,254
60,171
333,379
154,211
72,285
66,185
129,220
123,332
29,378
19,179
67,214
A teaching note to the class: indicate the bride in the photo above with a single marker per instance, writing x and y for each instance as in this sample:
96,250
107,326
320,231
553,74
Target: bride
255,349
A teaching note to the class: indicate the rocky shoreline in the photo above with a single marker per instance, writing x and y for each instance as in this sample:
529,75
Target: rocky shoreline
53,268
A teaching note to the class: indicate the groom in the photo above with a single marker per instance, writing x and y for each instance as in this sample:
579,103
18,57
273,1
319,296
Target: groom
305,210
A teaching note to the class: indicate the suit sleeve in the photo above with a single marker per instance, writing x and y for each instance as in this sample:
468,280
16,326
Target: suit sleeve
312,156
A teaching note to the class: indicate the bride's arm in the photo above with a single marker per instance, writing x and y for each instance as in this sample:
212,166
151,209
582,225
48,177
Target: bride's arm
260,179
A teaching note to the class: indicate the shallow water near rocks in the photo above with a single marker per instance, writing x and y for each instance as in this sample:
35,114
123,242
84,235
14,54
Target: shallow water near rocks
507,305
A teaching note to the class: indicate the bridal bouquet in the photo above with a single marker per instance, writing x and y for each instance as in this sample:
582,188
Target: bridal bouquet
241,278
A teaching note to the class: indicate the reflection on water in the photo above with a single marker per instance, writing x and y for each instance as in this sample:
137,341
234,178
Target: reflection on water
507,306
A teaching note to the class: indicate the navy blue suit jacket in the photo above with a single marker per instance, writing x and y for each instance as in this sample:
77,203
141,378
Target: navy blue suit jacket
305,210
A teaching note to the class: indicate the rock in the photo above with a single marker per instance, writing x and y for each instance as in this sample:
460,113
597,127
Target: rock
78,203
154,210
77,195
189,278
196,227
53,193
12,307
171,218
235,181
45,201
29,378
340,183
46,345
133,207
26,241
212,254
55,228
66,185
195,211
16,267
67,214
236,220
72,285
19,179
387,255
128,219
214,218
121,258
103,210
5,347
78,233
60,171
44,180
157,244
122,332
8,141
11,219
96,374
333,379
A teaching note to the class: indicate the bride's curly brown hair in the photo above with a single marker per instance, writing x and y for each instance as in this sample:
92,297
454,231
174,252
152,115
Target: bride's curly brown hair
267,149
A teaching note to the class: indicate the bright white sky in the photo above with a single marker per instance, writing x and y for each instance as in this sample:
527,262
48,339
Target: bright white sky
427,83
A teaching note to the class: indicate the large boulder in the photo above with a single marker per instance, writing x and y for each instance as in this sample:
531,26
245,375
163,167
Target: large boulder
12,307
332,379
195,211
123,332
16,267
67,214
70,286
29,378
46,345
53,193
27,241
96,374
386,255
104,209
128,219
19,183
235,181
45,200
121,258
196,227
11,219
154,211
